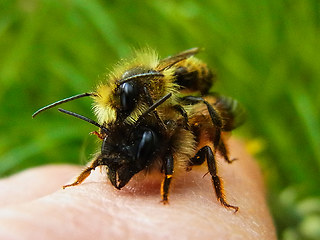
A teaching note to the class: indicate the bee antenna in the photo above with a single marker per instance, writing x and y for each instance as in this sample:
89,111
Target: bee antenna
84,119
62,101
141,75
153,107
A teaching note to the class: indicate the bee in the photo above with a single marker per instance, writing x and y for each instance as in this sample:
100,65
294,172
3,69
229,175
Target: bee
168,126
149,146
135,84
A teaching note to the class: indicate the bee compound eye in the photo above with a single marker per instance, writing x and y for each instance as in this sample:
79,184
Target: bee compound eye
146,147
128,96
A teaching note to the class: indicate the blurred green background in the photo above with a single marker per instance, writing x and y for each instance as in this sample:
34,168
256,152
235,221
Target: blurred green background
266,54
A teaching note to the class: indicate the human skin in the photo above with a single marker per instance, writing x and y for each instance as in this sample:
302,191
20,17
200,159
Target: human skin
33,205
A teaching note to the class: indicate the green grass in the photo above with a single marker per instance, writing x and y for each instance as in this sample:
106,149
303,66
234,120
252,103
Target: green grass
266,54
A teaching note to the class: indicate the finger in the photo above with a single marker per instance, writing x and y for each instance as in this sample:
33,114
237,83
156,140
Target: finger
95,209
34,183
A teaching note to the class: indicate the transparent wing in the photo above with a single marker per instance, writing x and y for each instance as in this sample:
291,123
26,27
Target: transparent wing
172,60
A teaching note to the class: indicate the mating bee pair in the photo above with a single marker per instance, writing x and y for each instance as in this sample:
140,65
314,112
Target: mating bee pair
148,101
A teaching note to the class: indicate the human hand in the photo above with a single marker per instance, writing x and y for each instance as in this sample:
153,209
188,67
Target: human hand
33,205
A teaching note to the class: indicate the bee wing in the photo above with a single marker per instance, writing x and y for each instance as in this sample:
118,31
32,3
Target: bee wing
231,111
172,60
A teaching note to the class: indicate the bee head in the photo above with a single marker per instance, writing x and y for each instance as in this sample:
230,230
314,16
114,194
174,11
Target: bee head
130,88
126,154
126,149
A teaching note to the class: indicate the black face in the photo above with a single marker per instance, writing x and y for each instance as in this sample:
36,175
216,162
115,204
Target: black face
128,152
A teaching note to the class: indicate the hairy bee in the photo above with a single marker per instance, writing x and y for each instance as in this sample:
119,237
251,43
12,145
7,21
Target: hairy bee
147,100
135,84
147,145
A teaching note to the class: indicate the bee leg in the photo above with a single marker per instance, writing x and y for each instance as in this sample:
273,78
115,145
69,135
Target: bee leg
150,102
152,108
195,161
99,135
183,113
168,171
214,115
224,152
206,153
85,173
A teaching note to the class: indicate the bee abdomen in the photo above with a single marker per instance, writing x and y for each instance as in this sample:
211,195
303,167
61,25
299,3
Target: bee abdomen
194,76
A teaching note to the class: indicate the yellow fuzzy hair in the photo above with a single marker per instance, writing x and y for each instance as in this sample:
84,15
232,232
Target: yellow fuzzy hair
105,100
184,145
